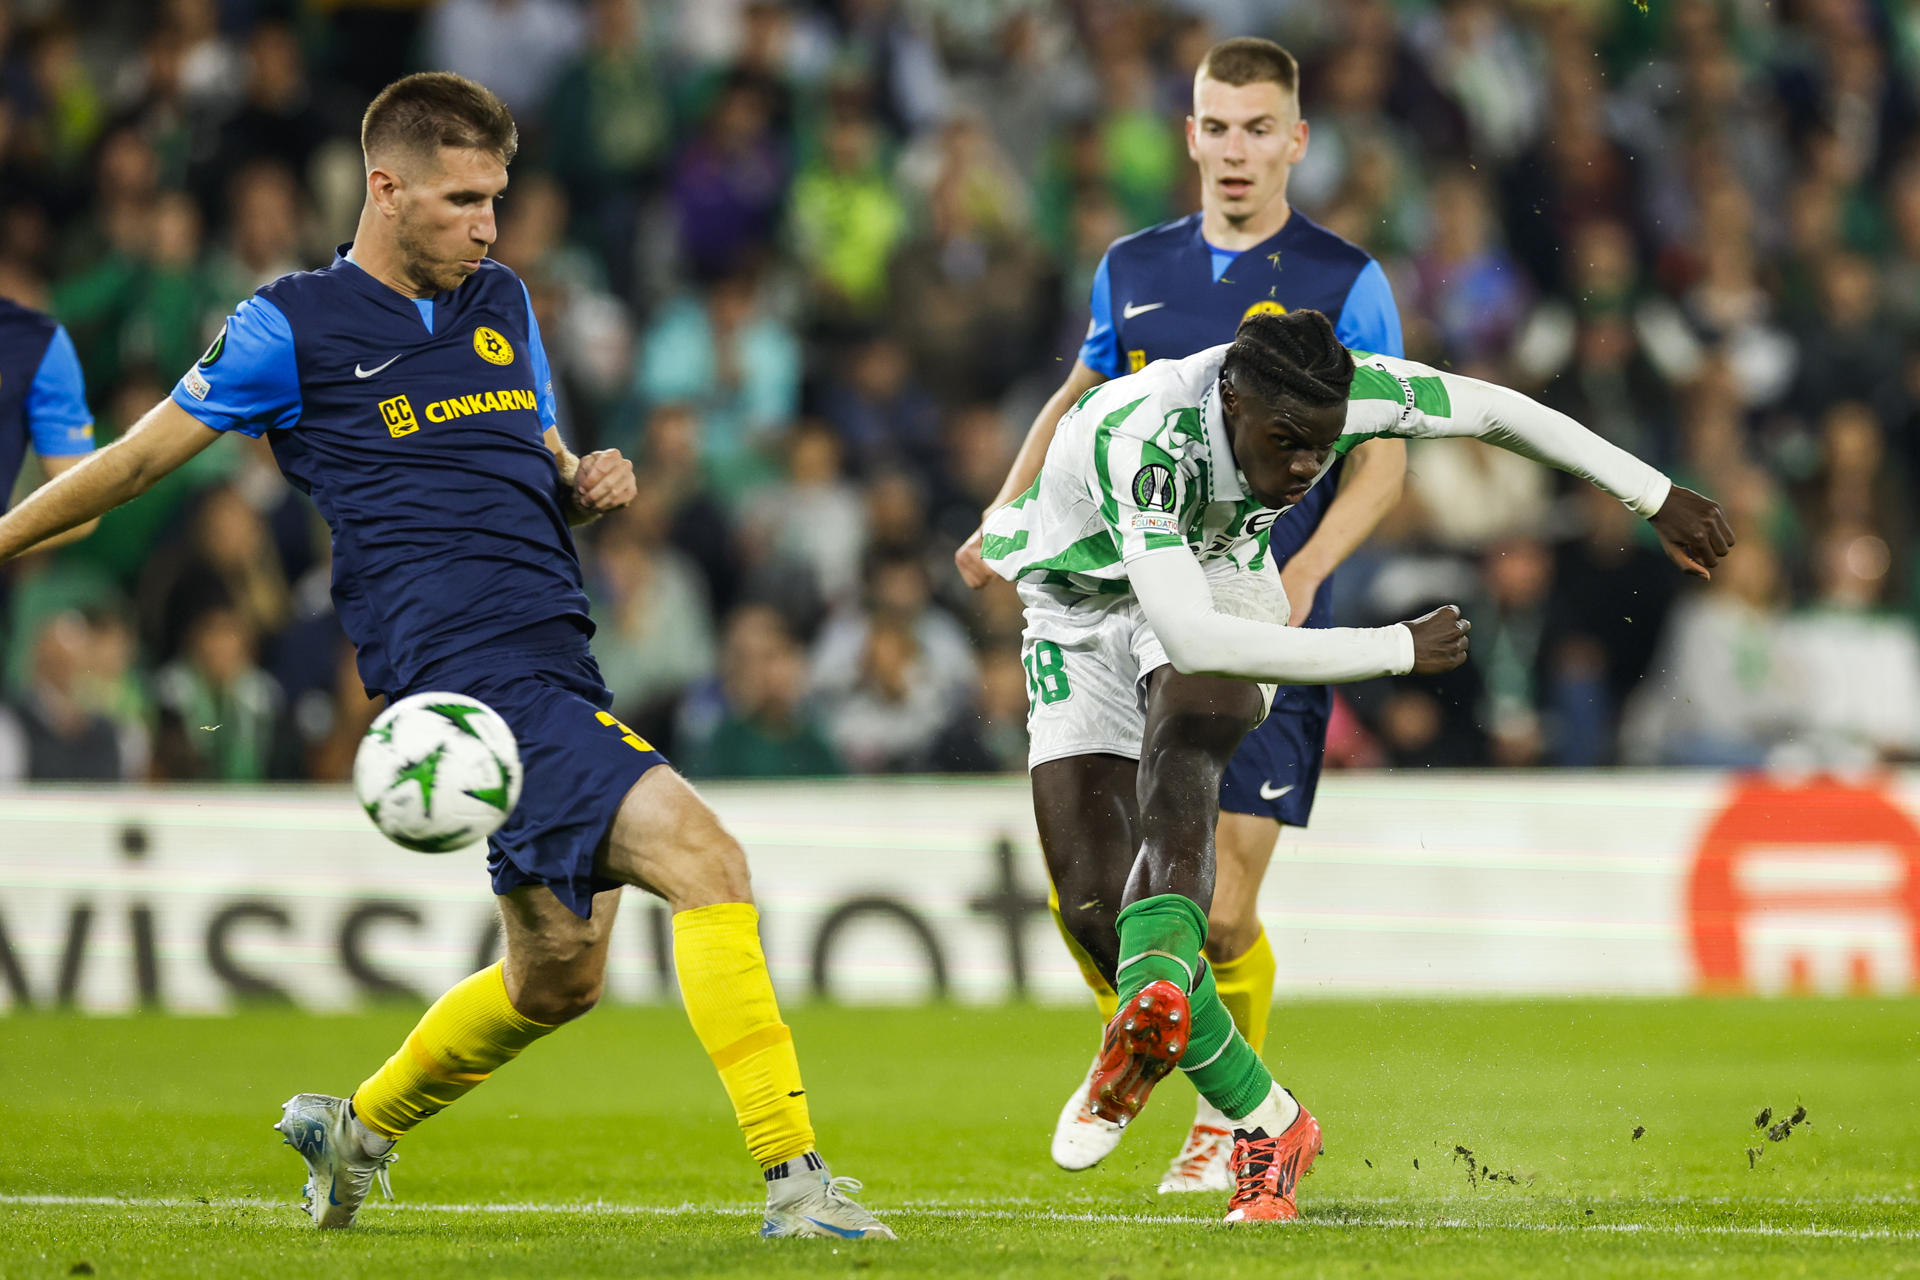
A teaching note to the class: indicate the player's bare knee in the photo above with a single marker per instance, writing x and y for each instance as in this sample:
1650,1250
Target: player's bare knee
555,973
698,863
1210,733
711,871
554,997
557,976
669,842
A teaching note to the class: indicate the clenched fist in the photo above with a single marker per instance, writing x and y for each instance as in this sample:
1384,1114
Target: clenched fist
1439,640
1694,530
604,482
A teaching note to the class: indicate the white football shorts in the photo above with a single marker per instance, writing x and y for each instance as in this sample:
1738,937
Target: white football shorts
1087,660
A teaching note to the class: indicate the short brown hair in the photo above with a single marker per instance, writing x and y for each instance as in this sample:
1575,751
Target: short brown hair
1249,60
433,109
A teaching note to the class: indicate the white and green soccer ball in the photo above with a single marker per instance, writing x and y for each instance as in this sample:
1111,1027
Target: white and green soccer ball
438,772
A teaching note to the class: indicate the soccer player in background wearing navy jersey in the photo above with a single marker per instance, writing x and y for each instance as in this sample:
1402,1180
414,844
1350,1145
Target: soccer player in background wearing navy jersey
1166,293
404,388
43,402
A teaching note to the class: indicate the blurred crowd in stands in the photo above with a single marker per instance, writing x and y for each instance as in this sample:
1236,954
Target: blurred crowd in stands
814,264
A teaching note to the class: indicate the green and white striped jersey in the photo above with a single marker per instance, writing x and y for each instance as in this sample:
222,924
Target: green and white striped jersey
1143,463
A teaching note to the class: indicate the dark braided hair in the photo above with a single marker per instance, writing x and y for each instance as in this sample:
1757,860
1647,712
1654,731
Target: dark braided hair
1295,355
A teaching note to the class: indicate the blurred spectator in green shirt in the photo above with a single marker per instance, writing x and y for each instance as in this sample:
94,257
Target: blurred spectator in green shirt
150,306
846,221
763,728
610,128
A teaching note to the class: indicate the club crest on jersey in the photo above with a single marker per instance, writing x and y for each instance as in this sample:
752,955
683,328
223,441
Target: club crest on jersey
1153,488
1264,307
215,351
491,347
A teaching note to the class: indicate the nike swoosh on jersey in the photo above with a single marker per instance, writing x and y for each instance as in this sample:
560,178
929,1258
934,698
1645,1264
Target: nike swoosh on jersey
1269,792
1129,311
358,372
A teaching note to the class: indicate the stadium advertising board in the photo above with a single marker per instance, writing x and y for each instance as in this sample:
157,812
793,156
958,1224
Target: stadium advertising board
896,891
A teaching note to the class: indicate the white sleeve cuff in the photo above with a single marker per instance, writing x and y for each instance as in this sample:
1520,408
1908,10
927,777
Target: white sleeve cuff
1402,648
1652,497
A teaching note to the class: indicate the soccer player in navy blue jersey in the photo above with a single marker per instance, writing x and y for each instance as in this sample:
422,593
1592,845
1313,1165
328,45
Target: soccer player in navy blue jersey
405,389
43,402
1166,293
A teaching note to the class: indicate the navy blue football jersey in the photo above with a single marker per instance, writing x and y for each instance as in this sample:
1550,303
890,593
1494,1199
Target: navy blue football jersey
1165,293
43,400
417,426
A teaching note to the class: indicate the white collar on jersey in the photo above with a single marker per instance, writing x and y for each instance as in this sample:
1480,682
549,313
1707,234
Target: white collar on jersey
1228,484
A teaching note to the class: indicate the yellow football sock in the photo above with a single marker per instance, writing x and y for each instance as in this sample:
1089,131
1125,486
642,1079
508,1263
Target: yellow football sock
464,1038
1246,988
730,1002
1103,993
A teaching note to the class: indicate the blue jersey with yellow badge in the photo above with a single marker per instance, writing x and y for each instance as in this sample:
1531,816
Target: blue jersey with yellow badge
1165,293
417,426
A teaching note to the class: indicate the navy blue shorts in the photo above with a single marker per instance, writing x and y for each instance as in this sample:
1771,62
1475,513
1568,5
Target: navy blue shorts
580,762
1276,769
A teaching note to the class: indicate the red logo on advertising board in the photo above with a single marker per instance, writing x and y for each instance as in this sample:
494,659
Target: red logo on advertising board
1844,857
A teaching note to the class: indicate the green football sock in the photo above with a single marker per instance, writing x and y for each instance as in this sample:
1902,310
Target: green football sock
1222,1065
1160,937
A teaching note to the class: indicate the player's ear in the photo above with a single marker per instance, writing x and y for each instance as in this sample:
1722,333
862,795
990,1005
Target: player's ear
383,187
1193,151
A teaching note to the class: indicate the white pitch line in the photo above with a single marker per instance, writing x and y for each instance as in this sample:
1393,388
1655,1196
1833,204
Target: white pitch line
997,1212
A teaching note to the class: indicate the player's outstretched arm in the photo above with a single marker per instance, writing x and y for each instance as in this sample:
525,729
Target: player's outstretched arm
1026,465
54,467
594,485
1693,528
161,441
1200,640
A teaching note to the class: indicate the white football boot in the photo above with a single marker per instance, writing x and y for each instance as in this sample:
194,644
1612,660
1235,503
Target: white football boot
340,1169
1082,1139
1205,1161
805,1199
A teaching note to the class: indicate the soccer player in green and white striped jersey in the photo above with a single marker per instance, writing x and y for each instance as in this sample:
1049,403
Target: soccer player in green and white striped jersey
1155,629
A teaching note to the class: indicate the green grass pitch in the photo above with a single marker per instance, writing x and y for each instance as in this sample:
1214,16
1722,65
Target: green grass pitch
140,1147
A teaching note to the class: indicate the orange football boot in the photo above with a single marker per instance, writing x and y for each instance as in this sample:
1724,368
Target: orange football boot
1268,1169
1143,1044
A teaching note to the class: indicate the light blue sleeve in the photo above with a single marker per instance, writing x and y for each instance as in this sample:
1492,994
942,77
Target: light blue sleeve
542,371
1369,320
57,402
1101,350
248,381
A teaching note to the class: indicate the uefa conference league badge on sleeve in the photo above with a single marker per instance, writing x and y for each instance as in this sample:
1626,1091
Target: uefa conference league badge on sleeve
196,382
